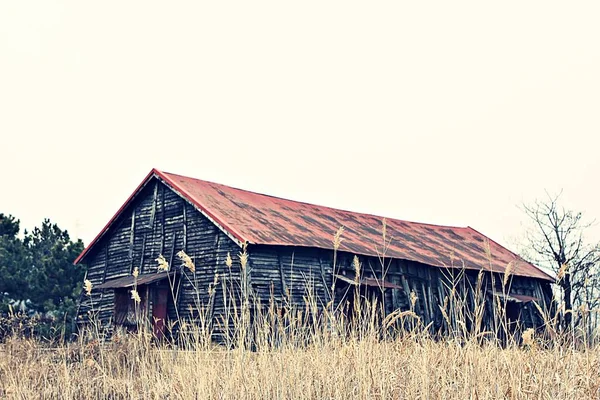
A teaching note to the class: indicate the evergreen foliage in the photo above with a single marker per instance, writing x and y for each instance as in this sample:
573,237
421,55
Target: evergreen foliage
37,275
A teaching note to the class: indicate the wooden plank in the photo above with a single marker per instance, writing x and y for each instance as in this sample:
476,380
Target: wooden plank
431,304
284,289
162,219
218,252
426,308
395,279
185,236
105,262
539,294
172,256
178,296
327,289
103,272
131,239
440,289
406,288
154,201
143,252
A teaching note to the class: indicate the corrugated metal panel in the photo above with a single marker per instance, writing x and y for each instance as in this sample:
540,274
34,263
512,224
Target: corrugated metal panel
129,281
260,219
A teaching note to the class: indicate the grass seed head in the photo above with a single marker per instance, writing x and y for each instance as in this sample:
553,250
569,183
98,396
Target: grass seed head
487,249
413,298
243,258
507,272
186,261
163,265
135,296
357,266
337,238
528,337
87,286
564,269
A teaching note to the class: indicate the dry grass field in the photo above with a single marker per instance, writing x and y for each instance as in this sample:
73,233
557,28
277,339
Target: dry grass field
365,368
303,360
286,354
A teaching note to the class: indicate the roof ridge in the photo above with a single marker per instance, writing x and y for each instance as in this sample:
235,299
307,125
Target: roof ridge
314,204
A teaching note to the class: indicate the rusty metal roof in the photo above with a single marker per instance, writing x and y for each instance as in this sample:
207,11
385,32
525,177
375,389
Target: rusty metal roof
261,219
130,281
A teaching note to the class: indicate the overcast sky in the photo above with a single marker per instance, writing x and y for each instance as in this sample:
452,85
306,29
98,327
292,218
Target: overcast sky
444,112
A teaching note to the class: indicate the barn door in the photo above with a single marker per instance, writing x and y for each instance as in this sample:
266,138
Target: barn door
128,313
159,311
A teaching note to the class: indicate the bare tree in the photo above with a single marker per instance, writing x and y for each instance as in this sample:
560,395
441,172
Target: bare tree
557,241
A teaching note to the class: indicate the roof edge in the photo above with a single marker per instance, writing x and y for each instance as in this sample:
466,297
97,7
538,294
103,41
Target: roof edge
550,278
164,178
441,264
99,236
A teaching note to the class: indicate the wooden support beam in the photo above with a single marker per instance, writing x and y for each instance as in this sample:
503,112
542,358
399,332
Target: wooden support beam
177,294
184,225
537,290
142,253
105,261
395,295
162,219
131,239
218,252
103,272
147,306
154,201
172,256
324,279
430,305
211,308
284,290
533,317
150,226
440,289
395,279
406,288
426,308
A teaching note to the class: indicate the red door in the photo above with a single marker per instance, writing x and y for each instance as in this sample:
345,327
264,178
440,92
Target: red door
159,311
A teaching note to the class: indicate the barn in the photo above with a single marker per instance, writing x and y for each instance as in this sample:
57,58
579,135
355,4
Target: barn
290,248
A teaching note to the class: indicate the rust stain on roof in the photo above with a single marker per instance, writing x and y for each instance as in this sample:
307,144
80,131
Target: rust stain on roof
261,219
291,223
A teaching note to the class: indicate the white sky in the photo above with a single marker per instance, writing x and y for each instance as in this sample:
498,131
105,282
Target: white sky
441,112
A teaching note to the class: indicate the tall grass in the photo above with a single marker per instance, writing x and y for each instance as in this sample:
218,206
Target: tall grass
333,367
307,351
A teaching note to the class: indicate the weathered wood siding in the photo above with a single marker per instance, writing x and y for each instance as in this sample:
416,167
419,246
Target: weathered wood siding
292,273
289,273
159,221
